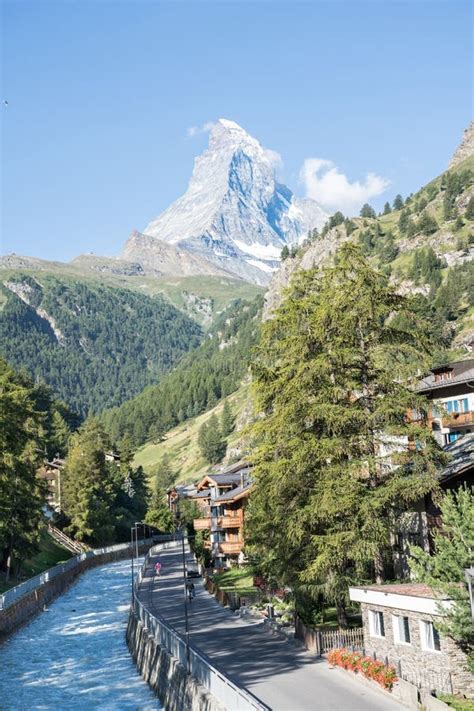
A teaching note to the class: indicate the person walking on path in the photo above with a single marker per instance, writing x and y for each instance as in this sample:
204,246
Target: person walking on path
158,567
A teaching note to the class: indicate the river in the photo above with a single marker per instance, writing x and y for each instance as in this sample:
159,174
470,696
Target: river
74,655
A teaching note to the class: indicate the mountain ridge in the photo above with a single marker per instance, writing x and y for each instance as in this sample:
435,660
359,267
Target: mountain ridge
234,213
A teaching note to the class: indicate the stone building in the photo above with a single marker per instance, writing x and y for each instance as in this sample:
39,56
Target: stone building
400,627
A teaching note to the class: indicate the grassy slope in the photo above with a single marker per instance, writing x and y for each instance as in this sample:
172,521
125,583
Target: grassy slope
181,442
220,290
49,554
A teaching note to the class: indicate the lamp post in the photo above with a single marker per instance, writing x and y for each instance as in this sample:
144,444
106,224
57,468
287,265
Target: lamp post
185,587
133,571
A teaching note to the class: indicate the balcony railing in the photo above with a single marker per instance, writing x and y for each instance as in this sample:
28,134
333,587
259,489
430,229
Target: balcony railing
458,418
227,522
202,524
230,547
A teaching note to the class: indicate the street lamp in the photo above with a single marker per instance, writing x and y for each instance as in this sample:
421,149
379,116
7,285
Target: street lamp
186,623
133,571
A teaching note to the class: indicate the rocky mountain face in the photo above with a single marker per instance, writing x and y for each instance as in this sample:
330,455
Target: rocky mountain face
435,225
466,148
234,217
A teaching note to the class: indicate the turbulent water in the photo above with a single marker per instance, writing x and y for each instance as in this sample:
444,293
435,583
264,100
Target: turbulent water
74,655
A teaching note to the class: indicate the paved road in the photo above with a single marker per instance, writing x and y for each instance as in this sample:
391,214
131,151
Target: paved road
285,677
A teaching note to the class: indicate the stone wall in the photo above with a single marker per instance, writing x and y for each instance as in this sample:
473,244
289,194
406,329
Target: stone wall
32,603
429,669
175,688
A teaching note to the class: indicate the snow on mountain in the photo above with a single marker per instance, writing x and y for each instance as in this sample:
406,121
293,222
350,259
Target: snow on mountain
234,213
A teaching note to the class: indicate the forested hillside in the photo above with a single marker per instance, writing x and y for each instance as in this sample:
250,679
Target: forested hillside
212,371
425,243
96,346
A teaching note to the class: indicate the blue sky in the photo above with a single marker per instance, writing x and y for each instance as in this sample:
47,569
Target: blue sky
101,95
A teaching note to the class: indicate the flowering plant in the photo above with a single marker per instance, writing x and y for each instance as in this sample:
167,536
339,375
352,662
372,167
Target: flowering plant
383,674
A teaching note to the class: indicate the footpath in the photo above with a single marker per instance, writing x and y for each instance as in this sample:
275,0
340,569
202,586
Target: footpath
282,675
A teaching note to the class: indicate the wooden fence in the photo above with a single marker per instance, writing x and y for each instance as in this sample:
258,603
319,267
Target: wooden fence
320,641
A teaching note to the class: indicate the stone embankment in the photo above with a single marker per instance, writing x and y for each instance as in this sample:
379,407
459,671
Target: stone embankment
176,689
20,604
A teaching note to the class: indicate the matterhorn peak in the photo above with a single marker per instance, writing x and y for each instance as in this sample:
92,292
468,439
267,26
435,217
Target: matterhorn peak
234,213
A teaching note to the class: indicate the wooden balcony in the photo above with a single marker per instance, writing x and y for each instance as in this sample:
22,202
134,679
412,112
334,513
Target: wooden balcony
227,522
202,524
456,419
230,547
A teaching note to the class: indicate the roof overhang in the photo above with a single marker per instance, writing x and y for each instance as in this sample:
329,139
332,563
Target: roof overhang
411,603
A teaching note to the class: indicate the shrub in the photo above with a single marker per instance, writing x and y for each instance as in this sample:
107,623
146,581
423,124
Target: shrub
383,674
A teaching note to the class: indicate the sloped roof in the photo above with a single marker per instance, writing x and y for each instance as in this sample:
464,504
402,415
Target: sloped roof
412,589
461,457
233,494
462,372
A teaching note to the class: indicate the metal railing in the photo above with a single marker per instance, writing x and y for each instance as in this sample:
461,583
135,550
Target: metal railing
11,596
198,664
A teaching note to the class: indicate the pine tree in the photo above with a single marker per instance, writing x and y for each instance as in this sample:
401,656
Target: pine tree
285,253
159,515
427,223
332,381
21,494
469,214
59,435
403,221
211,442
367,211
387,209
227,420
165,474
398,202
444,571
88,486
156,432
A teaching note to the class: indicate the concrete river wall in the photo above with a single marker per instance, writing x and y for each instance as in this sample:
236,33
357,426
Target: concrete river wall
24,601
74,654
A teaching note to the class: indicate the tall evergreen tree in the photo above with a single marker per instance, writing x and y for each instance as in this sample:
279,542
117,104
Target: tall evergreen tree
210,440
332,468
387,209
159,515
227,420
88,486
21,495
367,211
445,570
165,475
398,202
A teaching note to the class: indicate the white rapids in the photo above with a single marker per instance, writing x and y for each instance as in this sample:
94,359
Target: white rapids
74,655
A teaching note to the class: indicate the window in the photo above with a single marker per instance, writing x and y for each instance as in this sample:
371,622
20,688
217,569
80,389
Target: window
429,636
401,629
377,627
455,406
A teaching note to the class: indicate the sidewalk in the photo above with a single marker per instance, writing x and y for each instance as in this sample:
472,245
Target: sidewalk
283,676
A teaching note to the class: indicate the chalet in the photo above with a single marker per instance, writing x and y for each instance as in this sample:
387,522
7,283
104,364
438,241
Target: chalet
223,497
401,627
451,390
416,526
50,474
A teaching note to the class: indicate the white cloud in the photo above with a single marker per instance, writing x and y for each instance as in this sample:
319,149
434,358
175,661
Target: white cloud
192,131
325,183
275,158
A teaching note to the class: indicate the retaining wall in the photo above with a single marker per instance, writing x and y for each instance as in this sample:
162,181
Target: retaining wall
175,688
182,676
20,604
